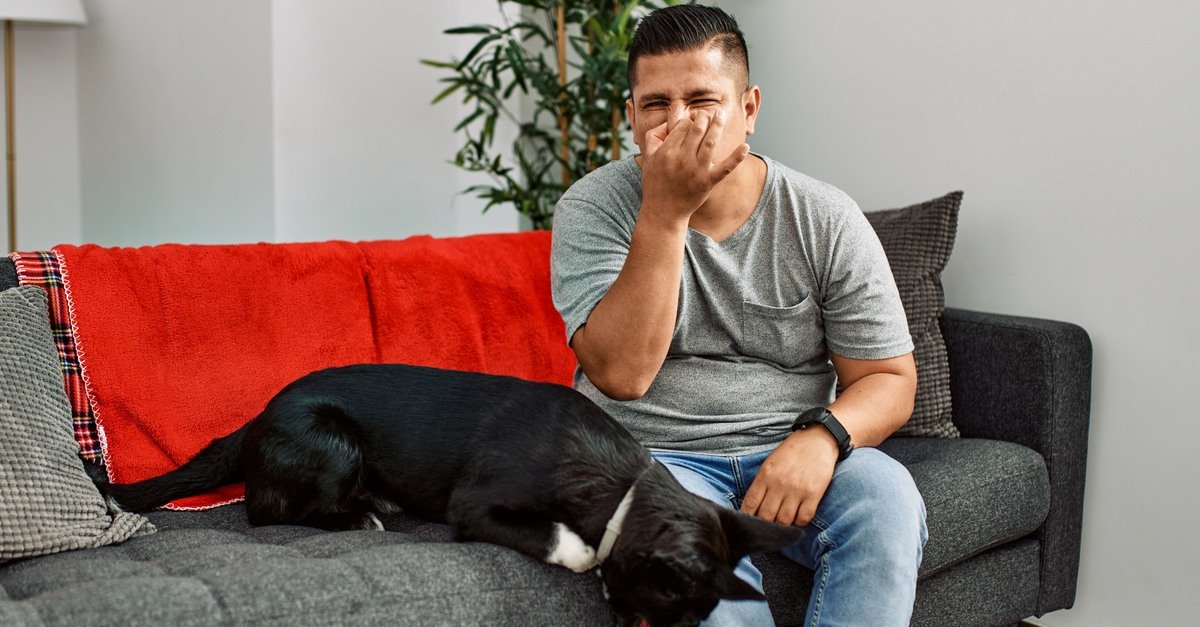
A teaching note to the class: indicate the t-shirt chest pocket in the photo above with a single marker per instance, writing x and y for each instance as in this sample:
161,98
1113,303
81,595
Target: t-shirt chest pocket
789,336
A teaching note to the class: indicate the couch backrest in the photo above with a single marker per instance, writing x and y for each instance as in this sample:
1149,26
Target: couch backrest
183,344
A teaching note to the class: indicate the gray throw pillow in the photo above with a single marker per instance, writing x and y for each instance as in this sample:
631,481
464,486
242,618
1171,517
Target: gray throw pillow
917,241
47,502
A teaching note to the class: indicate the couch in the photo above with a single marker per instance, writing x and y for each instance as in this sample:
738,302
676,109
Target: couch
1004,513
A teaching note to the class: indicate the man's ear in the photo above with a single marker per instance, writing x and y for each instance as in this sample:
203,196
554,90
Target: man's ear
747,534
751,105
730,586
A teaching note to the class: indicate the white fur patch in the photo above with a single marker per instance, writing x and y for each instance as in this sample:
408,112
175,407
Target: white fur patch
570,550
374,521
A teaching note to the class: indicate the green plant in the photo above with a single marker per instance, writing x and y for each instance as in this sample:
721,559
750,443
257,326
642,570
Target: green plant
576,118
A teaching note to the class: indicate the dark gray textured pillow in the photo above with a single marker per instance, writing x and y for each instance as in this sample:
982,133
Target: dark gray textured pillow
47,502
917,241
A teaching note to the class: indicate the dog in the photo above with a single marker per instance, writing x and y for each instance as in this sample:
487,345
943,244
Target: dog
535,467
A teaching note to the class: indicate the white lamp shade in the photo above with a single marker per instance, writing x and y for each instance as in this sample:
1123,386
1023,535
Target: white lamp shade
53,11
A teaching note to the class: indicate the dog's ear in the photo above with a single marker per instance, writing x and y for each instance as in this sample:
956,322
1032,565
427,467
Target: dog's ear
730,586
747,534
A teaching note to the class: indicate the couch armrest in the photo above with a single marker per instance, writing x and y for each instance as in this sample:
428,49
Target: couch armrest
8,273
1029,381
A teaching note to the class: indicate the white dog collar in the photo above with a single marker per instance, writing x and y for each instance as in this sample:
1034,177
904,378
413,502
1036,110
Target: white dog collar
613,528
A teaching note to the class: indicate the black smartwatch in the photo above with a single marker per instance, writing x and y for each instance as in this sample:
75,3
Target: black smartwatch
822,416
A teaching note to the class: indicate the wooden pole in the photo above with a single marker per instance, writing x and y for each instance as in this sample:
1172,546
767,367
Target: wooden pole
616,134
616,114
11,136
563,124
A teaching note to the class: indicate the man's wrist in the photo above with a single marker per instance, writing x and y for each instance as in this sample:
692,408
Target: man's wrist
663,221
823,418
823,434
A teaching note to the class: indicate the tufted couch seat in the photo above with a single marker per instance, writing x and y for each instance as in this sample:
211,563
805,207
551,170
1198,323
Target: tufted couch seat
211,567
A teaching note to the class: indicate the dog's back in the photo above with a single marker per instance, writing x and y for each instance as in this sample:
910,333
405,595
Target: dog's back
340,443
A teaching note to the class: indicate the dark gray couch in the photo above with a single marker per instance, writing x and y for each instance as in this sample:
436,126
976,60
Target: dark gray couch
1004,508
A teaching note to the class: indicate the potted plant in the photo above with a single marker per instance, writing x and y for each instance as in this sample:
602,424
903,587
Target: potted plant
567,60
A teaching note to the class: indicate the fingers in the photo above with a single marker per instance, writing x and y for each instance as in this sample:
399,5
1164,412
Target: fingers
754,497
722,170
789,511
696,133
715,127
778,506
655,138
770,505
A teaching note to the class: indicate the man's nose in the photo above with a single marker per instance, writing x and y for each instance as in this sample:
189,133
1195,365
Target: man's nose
677,113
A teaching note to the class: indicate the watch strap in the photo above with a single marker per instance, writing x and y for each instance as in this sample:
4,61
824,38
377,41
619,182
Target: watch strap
822,416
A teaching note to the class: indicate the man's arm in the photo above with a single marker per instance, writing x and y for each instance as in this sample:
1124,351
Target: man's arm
876,400
877,396
625,340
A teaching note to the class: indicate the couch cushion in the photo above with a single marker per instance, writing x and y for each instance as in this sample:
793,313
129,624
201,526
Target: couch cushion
978,493
47,502
211,566
41,269
917,241
1003,495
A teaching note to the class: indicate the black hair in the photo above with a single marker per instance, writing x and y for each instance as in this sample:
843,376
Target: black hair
687,27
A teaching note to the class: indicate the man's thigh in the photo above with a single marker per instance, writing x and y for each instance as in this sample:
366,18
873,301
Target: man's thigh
709,476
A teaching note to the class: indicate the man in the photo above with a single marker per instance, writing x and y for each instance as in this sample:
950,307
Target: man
712,296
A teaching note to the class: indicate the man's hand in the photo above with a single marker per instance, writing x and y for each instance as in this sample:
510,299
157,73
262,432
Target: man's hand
678,172
793,479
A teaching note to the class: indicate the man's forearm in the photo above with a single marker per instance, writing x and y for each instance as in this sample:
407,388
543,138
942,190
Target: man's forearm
627,335
875,406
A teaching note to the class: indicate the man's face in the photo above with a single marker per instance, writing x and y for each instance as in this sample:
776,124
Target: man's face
670,87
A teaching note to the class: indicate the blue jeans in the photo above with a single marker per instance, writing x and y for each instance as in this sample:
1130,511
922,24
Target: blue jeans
864,544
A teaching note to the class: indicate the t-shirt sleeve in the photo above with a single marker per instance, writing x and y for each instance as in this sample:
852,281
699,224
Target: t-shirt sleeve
864,317
588,250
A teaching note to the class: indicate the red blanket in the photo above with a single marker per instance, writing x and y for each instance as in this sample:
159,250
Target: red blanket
183,344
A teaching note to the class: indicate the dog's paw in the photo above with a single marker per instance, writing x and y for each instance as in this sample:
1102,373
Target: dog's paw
371,522
570,550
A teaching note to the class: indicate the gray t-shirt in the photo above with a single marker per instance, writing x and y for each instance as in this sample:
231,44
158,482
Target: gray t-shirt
758,311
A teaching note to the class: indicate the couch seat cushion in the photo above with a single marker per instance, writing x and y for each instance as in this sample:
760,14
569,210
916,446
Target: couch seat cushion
978,494
212,567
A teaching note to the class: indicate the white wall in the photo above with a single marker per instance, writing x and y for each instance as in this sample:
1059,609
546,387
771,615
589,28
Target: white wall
242,120
47,137
1072,127
359,151
175,121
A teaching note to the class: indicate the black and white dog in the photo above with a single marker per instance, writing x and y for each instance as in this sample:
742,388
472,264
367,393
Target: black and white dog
535,467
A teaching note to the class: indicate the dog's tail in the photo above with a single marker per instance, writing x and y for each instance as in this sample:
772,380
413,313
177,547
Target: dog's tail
220,463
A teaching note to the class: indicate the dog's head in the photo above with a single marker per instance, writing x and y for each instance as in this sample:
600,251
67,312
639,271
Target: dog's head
675,557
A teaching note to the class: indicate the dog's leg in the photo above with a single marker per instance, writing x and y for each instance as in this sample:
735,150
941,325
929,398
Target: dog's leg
520,530
343,521
570,550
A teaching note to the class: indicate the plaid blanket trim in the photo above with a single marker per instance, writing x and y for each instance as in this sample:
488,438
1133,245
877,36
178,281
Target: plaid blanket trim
43,269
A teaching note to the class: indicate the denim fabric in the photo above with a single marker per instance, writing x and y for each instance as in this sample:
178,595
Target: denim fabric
864,544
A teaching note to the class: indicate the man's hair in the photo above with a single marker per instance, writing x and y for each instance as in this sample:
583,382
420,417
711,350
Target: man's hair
687,27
